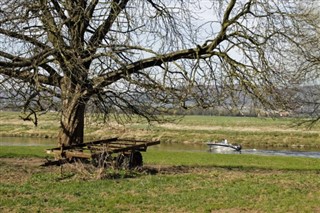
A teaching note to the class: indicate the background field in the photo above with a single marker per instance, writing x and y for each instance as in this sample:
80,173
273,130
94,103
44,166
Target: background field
248,131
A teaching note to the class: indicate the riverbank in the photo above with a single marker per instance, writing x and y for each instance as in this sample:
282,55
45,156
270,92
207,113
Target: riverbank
251,132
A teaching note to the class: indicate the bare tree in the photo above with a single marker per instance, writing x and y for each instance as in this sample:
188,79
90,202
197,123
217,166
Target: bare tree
143,57
304,57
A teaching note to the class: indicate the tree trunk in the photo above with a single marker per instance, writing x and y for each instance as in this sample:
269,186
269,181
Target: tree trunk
72,123
72,113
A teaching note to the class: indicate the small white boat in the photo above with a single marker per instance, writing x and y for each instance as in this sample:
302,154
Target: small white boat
223,146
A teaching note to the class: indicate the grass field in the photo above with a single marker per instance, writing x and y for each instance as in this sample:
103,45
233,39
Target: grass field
169,182
257,132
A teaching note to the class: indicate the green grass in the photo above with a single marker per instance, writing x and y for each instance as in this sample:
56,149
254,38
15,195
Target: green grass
169,193
173,181
184,182
239,161
23,151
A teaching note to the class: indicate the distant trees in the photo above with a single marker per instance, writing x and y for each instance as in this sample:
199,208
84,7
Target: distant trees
306,58
147,57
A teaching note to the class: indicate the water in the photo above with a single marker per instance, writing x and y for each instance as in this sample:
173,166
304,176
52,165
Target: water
25,141
16,141
253,151
292,153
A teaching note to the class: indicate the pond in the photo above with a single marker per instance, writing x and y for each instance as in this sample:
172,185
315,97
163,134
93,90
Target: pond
19,141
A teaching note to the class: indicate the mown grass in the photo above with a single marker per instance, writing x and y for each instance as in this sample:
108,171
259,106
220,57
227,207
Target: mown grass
205,192
23,151
231,161
180,182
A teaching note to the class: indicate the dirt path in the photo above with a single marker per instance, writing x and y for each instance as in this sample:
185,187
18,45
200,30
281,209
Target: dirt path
18,170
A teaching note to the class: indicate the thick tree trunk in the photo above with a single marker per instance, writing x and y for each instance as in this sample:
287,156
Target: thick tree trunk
72,113
72,123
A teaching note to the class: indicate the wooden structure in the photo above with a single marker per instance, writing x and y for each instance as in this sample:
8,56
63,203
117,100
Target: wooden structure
115,152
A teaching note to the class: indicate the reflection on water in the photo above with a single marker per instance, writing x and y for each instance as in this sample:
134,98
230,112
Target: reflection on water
16,141
180,147
25,141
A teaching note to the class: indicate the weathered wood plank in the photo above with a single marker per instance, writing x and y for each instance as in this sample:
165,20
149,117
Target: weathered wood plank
105,141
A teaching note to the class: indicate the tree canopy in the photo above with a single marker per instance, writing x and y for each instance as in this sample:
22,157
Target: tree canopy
146,57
